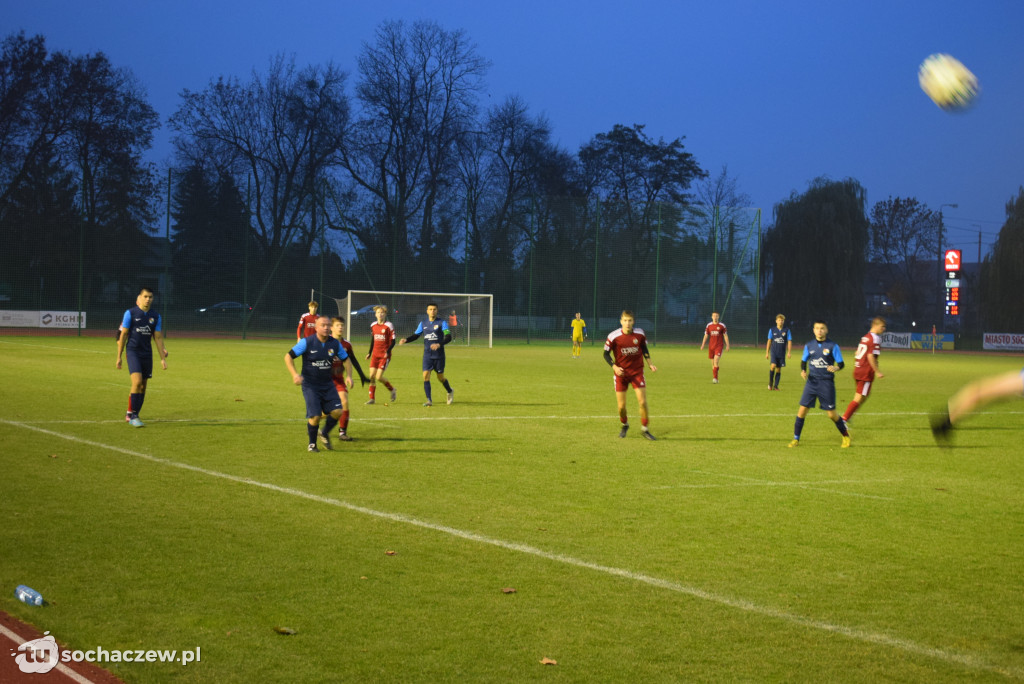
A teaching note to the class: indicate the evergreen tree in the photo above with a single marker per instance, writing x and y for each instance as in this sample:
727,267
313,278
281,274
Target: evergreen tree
815,255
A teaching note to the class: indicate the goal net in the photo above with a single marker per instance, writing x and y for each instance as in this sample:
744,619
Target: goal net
470,316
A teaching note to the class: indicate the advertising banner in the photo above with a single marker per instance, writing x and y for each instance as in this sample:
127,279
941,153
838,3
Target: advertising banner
1003,341
60,319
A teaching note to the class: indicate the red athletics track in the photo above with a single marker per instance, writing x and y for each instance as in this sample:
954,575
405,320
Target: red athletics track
14,633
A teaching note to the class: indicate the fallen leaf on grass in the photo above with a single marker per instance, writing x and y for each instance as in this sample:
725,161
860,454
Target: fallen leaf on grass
548,661
239,399
53,455
390,553
508,590
284,630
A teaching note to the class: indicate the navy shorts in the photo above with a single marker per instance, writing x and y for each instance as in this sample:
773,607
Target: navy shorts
778,360
435,363
140,363
320,399
822,390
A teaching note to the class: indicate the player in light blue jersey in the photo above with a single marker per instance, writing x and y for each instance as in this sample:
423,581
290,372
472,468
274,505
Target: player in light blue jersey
435,334
821,360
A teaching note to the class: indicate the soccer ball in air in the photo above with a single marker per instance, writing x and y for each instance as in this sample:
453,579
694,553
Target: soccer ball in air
947,82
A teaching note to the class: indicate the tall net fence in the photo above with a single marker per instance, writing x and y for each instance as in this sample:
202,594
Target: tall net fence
215,273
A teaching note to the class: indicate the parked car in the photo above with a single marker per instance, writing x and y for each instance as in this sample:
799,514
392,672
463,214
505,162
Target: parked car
364,312
225,309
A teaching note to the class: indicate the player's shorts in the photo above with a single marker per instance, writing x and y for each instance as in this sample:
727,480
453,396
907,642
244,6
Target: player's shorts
380,361
577,338
320,399
433,363
340,386
824,391
778,360
864,387
622,382
715,351
140,363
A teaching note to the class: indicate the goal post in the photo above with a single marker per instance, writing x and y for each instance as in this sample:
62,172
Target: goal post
470,316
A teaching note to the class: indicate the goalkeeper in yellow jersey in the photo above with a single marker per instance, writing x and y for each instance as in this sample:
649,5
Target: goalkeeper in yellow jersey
579,331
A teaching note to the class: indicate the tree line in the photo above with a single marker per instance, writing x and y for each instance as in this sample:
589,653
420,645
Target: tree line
398,177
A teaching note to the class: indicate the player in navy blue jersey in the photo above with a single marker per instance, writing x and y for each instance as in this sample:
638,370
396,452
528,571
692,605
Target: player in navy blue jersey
318,352
435,335
821,360
777,350
140,328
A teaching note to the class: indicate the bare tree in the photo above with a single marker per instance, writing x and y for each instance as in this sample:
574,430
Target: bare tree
284,130
418,88
904,236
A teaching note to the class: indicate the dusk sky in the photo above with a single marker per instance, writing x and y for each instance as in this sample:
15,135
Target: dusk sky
781,92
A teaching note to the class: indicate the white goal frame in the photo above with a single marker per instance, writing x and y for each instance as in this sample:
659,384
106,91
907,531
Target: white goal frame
448,298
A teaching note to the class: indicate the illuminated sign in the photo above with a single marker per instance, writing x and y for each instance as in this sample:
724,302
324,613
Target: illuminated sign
951,263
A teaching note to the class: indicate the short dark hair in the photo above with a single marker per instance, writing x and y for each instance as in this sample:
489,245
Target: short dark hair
431,304
146,288
627,312
820,320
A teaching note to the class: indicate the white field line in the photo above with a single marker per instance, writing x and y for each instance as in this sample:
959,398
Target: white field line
61,667
813,486
439,417
878,638
50,346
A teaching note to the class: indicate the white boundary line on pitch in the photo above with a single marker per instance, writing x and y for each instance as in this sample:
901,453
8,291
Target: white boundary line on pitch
61,667
877,638
437,416
50,346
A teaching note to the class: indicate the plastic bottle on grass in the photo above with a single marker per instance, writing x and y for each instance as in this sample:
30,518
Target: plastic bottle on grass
28,595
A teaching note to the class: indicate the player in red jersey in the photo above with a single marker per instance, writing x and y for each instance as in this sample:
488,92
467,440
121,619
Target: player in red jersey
307,322
719,343
382,341
865,368
625,351
342,377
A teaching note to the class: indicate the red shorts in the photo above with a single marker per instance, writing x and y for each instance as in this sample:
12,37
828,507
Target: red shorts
864,387
340,385
715,351
380,361
622,382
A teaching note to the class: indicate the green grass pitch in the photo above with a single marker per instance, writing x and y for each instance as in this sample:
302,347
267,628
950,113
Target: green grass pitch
712,554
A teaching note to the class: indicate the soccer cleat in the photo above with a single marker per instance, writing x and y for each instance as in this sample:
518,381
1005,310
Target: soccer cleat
714,381
312,448
135,422
941,427
428,402
127,417
770,388
343,436
394,395
846,442
794,443
325,440
623,431
451,397
372,401
647,435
